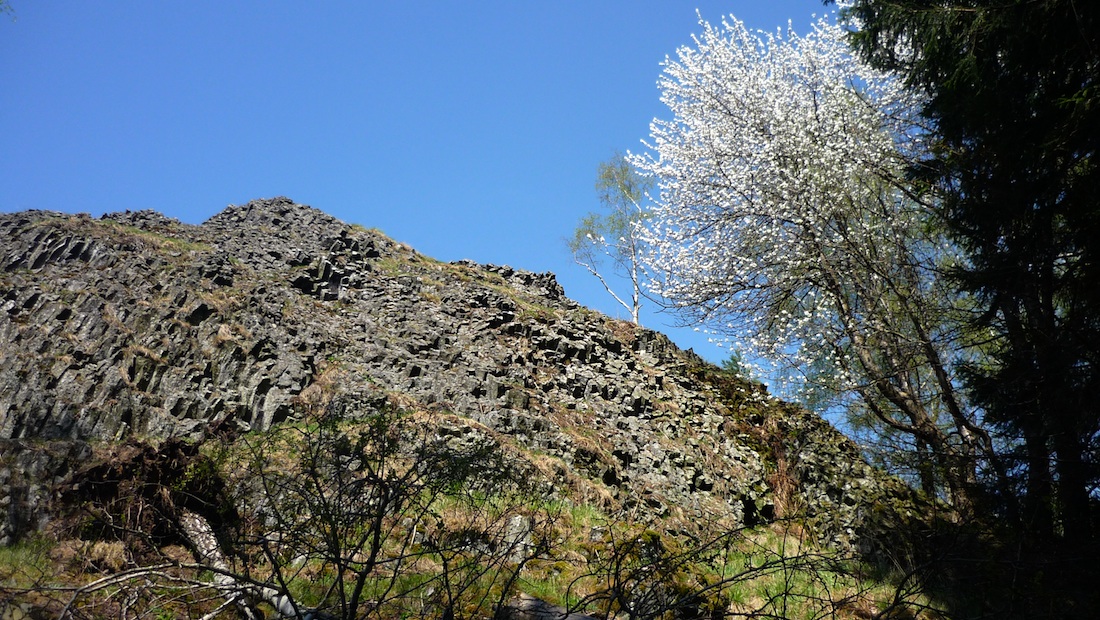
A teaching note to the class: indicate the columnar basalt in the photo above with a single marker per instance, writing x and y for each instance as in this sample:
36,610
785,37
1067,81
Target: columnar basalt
137,324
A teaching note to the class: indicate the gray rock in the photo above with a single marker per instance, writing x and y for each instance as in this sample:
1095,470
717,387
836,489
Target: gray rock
139,324
527,607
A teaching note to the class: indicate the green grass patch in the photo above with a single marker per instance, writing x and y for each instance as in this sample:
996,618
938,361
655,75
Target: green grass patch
27,562
157,240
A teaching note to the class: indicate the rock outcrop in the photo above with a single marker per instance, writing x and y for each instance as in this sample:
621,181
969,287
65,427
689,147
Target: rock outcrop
135,324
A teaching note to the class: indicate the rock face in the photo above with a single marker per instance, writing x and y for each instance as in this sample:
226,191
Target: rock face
137,324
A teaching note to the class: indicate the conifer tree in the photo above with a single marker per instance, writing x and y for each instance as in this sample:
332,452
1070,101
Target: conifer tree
1013,101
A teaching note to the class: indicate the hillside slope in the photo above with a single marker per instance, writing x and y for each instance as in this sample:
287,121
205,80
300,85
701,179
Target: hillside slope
136,325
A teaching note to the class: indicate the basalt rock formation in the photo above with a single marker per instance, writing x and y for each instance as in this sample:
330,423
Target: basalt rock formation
137,325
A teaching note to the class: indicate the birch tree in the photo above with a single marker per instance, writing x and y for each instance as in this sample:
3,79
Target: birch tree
781,222
613,236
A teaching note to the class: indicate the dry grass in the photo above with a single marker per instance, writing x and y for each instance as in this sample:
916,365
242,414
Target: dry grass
135,350
222,300
326,384
623,331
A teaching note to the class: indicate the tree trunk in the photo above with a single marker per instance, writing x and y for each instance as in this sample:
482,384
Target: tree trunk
205,544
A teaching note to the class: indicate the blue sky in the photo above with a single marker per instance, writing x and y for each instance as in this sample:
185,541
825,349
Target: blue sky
465,129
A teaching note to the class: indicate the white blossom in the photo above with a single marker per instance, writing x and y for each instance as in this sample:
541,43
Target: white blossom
782,219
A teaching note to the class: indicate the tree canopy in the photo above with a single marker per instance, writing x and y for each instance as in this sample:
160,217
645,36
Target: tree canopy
904,210
1013,100
613,234
782,220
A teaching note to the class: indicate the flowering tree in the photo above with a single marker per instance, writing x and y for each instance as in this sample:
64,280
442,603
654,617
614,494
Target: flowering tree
614,235
781,222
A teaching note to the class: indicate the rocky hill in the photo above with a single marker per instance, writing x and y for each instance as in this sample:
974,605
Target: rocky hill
137,326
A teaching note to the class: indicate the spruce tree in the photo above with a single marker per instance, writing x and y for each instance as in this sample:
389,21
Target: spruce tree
1013,106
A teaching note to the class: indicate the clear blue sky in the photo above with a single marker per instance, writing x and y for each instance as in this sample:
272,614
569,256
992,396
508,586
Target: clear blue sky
465,129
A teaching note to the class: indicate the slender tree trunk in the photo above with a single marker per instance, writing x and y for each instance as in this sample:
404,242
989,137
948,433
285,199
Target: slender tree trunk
925,460
201,536
1073,497
1038,508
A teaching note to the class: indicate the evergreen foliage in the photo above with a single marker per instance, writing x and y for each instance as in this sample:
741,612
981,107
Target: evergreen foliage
1013,93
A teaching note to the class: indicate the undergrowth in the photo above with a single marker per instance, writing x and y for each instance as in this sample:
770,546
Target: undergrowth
469,531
